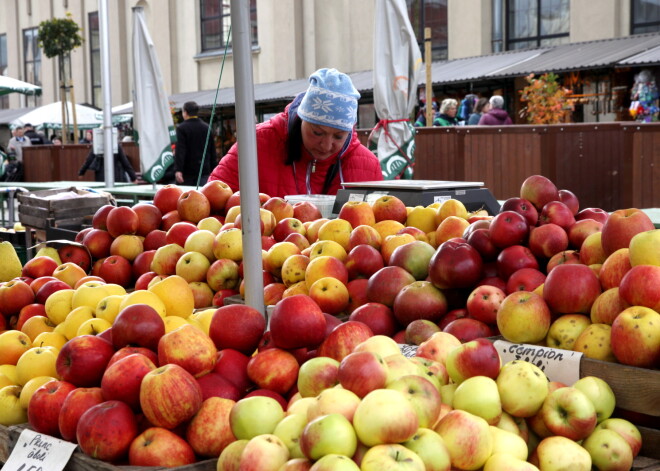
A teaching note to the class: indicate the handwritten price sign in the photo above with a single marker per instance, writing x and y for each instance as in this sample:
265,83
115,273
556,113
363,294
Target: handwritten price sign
558,365
38,452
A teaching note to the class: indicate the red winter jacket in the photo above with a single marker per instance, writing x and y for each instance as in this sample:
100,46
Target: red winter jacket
277,179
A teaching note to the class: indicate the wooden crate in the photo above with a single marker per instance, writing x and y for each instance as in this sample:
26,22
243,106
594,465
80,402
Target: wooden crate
67,206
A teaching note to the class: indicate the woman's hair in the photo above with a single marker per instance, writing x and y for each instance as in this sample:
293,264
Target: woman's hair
496,101
479,108
446,104
294,141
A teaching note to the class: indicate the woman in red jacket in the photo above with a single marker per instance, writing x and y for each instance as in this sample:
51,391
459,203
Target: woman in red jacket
311,147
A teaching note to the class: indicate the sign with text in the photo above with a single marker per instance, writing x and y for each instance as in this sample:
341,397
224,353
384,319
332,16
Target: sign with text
38,452
408,351
558,365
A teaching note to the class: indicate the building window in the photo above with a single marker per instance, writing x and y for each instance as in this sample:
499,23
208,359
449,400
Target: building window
537,23
4,100
430,14
95,58
215,21
32,58
645,16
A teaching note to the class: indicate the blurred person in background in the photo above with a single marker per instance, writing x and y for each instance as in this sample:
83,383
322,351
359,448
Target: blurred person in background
447,114
497,115
480,108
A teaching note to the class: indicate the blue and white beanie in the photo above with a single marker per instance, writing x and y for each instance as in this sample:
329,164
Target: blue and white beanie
331,100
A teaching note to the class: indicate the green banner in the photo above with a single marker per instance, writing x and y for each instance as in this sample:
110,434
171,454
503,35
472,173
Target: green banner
394,146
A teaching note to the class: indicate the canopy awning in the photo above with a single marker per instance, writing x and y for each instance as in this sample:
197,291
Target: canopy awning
11,85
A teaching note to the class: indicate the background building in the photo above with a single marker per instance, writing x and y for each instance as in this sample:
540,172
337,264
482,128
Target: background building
479,46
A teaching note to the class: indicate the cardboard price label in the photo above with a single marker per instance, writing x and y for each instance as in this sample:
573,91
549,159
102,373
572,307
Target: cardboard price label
38,452
558,365
408,351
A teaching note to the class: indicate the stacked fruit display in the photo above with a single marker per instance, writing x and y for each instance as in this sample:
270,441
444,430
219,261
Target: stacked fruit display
342,289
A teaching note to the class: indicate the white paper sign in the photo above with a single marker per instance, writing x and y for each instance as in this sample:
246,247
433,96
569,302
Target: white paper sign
441,198
558,365
372,197
356,197
408,351
38,452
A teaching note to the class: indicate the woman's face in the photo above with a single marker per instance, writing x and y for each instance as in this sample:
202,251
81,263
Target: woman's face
322,141
486,108
451,110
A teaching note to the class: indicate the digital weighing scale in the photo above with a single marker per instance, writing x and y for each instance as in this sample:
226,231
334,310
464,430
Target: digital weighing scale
420,193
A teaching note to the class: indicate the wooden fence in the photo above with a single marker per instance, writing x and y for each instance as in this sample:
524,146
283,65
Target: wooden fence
609,165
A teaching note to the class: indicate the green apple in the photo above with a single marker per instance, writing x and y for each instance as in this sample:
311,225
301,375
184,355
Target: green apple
333,400
447,393
330,434
256,415
478,395
508,442
430,447
600,393
289,431
523,387
385,416
300,405
608,450
627,430
560,453
500,461
422,395
391,458
467,438
264,452
334,463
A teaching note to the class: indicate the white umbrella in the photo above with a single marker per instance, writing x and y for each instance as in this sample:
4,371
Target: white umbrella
397,64
50,117
11,85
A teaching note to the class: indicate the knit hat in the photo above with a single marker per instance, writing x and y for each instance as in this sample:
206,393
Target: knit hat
331,100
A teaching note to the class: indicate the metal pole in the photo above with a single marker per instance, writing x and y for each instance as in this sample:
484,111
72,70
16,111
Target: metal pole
108,157
248,169
428,60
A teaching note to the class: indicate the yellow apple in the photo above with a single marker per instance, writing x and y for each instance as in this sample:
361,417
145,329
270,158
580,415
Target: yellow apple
450,207
204,318
176,295
229,244
69,273
174,322
93,327
594,342
388,227
75,319
37,361
277,254
327,247
211,224
142,296
644,248
36,325
108,307
565,330
50,339
31,386
422,218
202,241
11,411
338,230
89,294
10,372
58,305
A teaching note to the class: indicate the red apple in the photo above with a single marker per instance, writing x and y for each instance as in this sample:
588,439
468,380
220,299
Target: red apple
45,405
126,351
105,431
582,229
75,254
357,294
343,339
142,282
455,265
306,211
82,360
297,321
571,288
596,214
635,337
190,348
217,193
179,232
419,300
274,369
362,372
525,279
138,325
216,385
357,213
482,243
473,358
363,261
75,405
389,207
26,312
232,365
556,212
570,200
149,217
414,257
169,219
547,240
49,288
14,295
386,283
378,317
621,226
237,326
122,379
169,396
166,198
523,207
639,286
483,303
508,228
116,269
539,190
280,208
157,446
567,257
467,329
154,240
122,220
39,266
193,206
513,258
98,243
287,226
451,316
100,217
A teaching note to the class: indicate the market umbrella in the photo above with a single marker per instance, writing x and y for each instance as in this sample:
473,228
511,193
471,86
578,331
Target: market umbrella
11,85
397,65
50,116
